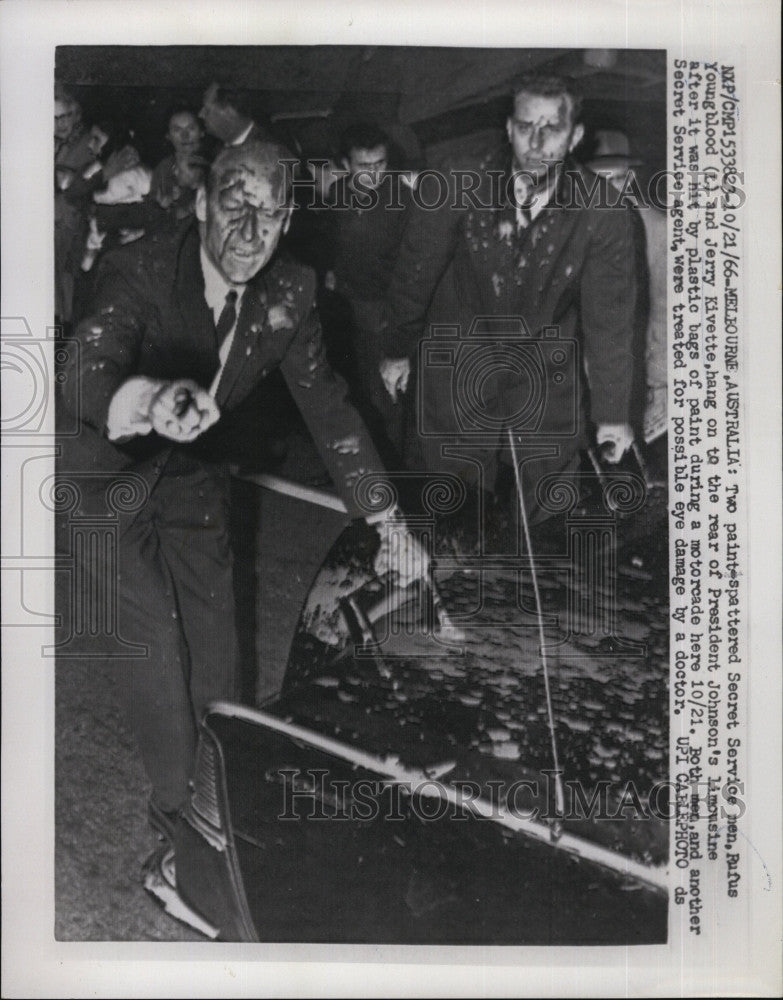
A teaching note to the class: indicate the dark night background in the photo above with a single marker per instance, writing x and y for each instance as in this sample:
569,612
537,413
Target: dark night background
423,96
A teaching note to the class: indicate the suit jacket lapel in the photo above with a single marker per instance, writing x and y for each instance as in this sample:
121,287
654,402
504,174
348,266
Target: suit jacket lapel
544,254
196,316
247,335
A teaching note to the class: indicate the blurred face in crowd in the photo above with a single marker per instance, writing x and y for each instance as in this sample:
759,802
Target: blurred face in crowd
66,117
541,130
97,141
219,119
370,164
184,132
242,213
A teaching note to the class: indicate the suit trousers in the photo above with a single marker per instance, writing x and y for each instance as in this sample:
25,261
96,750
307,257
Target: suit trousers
176,597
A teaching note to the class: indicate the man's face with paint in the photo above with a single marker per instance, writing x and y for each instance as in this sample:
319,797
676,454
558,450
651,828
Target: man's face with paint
243,214
540,131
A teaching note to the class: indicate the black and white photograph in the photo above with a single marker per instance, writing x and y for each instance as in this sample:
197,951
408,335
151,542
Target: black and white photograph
363,406
383,460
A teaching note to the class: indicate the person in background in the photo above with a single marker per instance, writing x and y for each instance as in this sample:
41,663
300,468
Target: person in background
84,161
614,162
114,193
368,212
71,140
227,115
73,154
178,176
184,326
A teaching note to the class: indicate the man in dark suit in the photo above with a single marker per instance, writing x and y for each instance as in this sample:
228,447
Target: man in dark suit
184,327
367,217
527,237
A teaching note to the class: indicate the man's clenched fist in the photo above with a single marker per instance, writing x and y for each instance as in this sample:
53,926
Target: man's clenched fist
182,410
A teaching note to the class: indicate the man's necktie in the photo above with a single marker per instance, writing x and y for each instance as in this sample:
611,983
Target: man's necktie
523,203
227,319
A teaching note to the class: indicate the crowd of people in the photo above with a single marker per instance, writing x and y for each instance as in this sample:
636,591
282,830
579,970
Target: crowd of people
106,197
351,232
177,283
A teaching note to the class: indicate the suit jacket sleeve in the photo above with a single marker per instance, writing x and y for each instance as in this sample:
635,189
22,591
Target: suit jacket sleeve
321,395
608,305
109,344
426,250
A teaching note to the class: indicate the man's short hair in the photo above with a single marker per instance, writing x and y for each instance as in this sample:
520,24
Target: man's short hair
540,85
235,97
363,135
277,160
180,109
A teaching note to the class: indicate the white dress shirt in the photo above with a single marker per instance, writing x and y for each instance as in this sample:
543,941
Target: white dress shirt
535,205
242,136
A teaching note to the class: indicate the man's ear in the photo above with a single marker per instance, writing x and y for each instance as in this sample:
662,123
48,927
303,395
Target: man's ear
576,137
509,127
201,203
